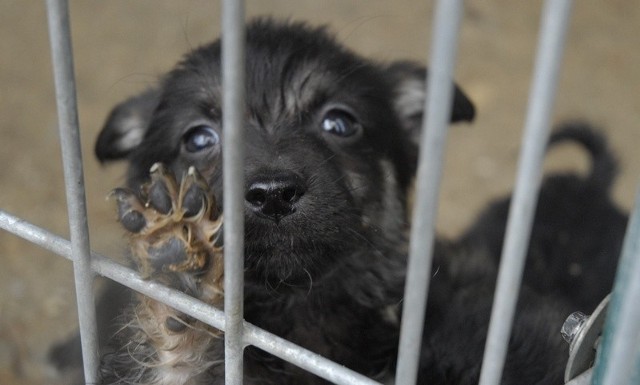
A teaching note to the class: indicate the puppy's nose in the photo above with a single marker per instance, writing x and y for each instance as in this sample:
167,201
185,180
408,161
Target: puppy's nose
275,196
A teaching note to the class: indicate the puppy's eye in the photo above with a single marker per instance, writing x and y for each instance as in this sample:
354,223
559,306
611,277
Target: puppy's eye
199,138
340,123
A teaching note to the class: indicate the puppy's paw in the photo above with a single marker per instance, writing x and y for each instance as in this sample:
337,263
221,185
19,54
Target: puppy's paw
175,229
175,235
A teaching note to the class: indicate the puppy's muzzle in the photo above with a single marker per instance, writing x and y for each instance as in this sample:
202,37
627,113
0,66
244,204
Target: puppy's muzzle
275,195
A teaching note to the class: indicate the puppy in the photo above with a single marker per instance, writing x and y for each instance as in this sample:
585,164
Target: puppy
571,261
577,231
330,153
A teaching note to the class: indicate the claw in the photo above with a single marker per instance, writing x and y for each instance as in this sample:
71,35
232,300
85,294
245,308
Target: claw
129,210
194,198
218,237
162,189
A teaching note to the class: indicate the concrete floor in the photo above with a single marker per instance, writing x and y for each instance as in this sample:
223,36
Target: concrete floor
122,46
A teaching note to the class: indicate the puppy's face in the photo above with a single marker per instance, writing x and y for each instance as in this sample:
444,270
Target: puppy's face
329,145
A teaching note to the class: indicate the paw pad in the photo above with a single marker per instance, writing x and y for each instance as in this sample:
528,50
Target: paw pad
174,228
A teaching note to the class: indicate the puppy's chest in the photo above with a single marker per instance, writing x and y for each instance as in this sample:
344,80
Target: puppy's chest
341,331
317,327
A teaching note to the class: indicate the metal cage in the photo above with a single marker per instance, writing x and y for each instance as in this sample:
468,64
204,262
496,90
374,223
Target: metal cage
619,353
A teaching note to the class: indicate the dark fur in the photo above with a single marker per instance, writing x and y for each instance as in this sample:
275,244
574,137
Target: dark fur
324,276
330,275
575,243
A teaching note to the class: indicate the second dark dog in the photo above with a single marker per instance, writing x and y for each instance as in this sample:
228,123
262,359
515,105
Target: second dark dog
571,262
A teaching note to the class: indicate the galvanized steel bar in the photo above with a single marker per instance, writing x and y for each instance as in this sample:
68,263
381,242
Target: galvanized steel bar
304,359
115,271
60,39
618,360
555,21
438,105
233,73
188,305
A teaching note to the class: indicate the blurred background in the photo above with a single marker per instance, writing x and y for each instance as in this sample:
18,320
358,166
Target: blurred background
121,47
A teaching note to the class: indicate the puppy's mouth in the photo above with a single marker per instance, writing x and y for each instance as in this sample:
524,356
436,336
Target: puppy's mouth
296,227
285,263
297,251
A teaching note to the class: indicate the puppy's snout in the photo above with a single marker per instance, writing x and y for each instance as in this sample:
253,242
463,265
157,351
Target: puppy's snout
275,196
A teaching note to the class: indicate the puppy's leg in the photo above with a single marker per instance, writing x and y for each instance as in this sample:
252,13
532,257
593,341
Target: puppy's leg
174,233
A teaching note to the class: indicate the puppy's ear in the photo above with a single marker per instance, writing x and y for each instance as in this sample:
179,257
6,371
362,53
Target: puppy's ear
126,126
409,80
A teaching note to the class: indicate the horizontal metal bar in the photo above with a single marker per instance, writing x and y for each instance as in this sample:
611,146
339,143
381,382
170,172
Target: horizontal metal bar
62,55
618,360
253,335
555,20
233,72
438,105
304,359
115,271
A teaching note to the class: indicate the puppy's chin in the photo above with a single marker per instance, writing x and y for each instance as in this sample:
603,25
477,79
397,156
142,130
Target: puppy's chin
299,250
289,264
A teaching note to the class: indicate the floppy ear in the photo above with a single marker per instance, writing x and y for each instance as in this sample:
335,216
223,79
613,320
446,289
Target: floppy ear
409,81
126,126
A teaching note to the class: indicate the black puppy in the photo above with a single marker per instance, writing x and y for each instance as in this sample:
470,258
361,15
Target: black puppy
330,155
571,262
331,149
578,229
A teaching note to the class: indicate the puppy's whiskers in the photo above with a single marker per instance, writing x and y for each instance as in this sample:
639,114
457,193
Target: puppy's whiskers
318,167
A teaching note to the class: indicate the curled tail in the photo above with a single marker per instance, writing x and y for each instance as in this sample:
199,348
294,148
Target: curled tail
604,166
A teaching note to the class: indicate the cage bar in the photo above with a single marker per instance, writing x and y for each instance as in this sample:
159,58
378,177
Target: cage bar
553,30
233,67
618,360
186,304
63,72
438,105
305,359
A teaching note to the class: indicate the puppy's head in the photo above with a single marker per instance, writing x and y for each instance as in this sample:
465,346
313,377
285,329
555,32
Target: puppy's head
330,144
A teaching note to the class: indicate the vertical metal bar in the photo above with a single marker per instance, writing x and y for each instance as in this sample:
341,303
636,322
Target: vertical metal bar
582,379
555,20
434,134
60,38
233,72
618,360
